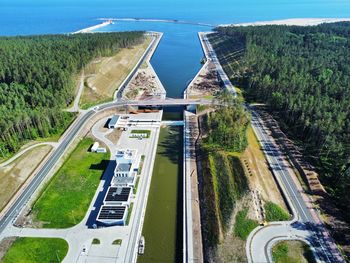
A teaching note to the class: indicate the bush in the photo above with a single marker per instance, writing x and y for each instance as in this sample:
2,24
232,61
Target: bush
275,213
96,241
244,225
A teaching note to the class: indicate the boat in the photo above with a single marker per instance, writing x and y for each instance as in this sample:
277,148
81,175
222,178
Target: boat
141,249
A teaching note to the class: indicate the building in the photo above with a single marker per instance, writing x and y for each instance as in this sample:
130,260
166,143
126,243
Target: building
118,196
127,163
113,215
124,181
113,122
95,146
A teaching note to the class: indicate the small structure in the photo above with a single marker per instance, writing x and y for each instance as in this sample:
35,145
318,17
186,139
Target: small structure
113,215
117,196
101,150
94,147
141,248
113,122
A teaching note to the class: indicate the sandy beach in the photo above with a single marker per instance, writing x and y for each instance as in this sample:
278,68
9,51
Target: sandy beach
292,22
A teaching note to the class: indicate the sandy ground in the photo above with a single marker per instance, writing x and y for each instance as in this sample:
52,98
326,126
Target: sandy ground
260,178
12,176
103,76
206,84
144,85
293,22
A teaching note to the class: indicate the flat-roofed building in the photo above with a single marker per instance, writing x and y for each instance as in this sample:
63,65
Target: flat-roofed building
127,163
95,146
113,215
124,181
123,170
113,122
118,196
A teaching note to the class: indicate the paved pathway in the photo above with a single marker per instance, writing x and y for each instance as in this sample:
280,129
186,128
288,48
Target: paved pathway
53,144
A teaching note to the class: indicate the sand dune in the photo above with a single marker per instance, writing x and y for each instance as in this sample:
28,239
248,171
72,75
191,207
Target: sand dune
293,22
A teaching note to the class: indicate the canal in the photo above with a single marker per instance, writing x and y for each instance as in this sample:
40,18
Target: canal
162,227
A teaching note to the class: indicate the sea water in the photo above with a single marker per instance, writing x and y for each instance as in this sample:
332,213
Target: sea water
177,59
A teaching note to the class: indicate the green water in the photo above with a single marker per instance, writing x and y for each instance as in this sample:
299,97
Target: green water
163,221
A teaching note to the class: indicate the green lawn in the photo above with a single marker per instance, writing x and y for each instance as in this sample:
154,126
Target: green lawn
36,250
136,185
275,213
292,252
244,225
128,217
67,197
136,133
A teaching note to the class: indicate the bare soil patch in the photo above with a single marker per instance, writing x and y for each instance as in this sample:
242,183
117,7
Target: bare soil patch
13,175
5,245
259,176
143,86
103,76
206,83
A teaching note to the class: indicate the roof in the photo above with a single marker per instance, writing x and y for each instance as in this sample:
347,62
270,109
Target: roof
95,146
122,180
123,167
118,194
114,120
111,212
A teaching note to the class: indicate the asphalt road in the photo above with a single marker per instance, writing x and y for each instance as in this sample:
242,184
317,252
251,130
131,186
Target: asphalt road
323,246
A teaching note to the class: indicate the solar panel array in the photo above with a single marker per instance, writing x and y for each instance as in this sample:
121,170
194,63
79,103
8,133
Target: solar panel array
118,194
112,212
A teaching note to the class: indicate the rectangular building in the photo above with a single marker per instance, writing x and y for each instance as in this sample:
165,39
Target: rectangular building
113,122
118,196
113,215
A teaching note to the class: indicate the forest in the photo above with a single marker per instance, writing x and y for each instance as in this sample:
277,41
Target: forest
37,81
227,126
303,75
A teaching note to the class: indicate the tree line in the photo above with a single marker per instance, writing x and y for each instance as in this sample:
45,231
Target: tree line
227,125
303,74
36,81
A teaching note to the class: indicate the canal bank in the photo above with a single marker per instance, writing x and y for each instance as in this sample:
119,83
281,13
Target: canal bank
162,227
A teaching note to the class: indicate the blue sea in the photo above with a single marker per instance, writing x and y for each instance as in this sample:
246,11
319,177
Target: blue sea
177,59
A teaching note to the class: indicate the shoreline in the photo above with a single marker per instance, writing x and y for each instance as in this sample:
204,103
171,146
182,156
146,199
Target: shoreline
92,28
157,20
291,22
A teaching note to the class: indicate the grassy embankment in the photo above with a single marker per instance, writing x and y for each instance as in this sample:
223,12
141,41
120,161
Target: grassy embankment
13,175
67,196
228,212
104,76
292,252
224,184
163,215
34,250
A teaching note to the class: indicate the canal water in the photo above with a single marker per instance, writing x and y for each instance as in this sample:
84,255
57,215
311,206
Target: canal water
162,227
177,58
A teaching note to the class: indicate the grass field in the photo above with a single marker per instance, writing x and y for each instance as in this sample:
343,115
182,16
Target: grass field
292,252
67,197
35,250
104,76
244,225
275,212
13,175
